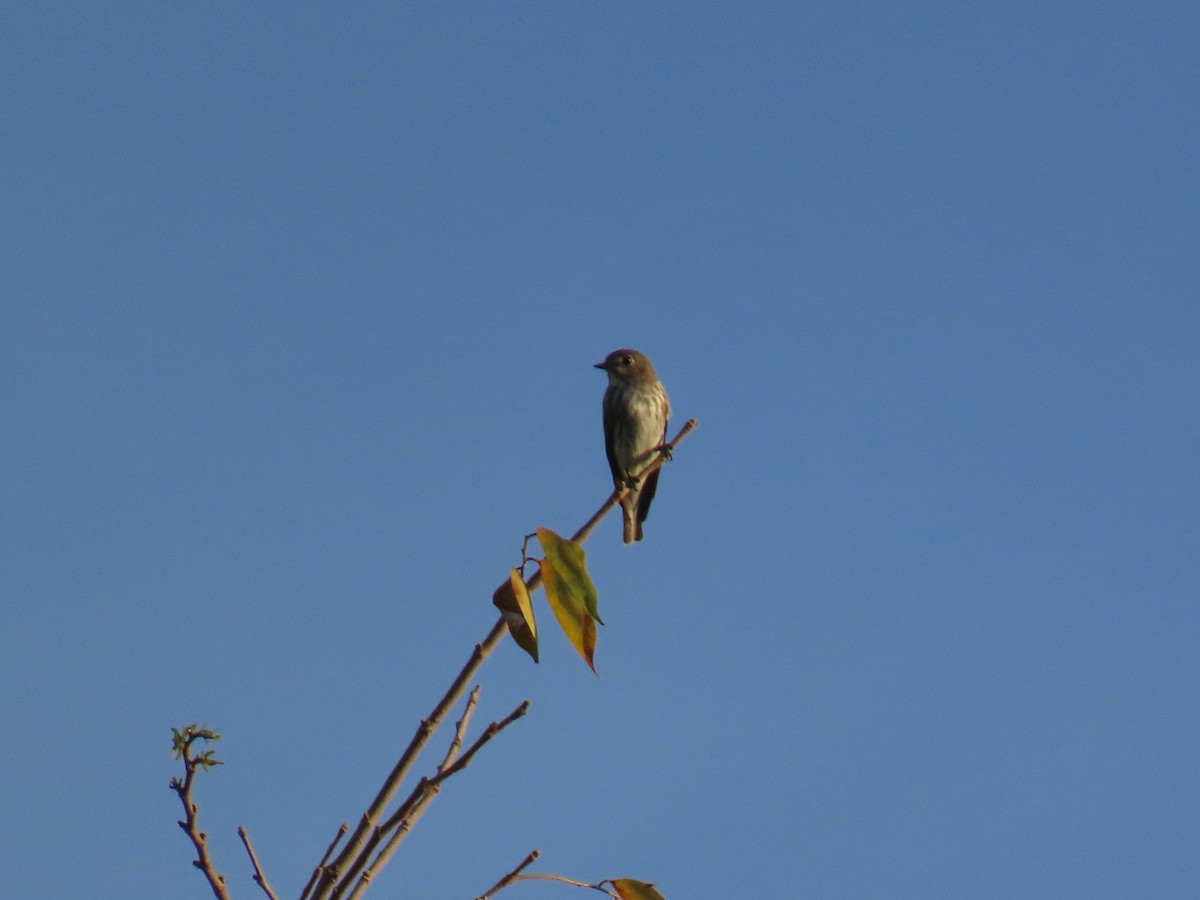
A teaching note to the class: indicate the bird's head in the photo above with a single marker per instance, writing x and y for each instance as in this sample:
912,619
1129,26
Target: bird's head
627,365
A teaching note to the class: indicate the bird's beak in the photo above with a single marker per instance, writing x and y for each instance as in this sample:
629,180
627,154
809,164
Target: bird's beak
600,366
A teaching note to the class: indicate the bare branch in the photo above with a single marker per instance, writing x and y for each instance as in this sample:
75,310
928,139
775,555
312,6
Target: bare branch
510,877
259,878
312,879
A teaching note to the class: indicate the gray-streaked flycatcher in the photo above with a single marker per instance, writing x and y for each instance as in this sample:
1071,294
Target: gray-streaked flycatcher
636,410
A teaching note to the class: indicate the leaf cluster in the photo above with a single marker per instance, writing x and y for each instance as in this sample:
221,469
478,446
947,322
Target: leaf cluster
569,589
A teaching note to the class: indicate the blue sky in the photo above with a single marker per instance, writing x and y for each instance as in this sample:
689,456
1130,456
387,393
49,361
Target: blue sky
299,311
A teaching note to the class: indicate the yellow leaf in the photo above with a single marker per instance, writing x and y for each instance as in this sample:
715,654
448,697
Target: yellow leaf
572,615
512,599
632,889
568,560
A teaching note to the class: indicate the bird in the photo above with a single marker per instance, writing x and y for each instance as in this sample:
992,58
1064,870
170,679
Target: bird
636,410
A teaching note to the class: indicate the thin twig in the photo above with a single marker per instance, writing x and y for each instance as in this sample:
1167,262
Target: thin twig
561,879
259,878
460,730
190,823
510,877
526,559
312,879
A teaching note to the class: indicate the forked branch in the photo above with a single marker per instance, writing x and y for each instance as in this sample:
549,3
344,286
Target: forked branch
399,824
259,878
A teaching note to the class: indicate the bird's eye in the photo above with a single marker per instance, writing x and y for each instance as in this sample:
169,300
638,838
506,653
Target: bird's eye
628,360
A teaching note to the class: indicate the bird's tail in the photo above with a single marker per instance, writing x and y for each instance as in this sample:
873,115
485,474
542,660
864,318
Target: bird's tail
633,528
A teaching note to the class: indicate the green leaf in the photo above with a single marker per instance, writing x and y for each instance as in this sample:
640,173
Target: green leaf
572,615
632,889
568,560
512,599
208,759
183,738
